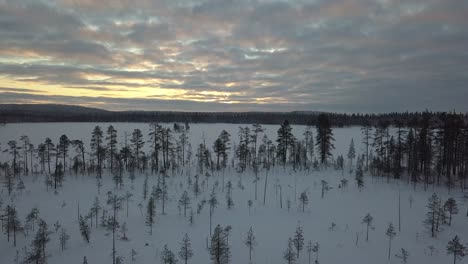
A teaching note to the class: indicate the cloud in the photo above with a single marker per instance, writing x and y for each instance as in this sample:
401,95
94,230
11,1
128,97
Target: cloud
333,55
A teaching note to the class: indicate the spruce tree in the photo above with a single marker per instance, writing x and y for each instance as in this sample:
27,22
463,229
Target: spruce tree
96,147
250,242
403,256
37,254
219,249
298,240
324,138
84,229
390,233
285,140
150,214
9,179
186,251
456,248
167,256
359,177
289,254
213,202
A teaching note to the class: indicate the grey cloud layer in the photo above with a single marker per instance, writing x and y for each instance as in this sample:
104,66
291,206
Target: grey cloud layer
333,55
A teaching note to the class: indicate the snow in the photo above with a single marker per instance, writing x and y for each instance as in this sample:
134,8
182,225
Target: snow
272,225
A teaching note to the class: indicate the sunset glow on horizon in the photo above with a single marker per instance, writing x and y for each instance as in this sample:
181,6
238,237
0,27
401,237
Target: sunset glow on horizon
246,55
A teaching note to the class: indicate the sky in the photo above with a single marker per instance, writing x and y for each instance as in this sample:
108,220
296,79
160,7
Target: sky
236,55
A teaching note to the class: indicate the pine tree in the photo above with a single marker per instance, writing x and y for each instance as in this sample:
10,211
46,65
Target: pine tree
167,256
95,209
80,150
451,207
145,187
156,143
250,242
213,202
390,233
14,151
84,229
9,179
456,248
123,231
133,255
150,214
243,151
138,143
316,249
191,217
38,245
26,141
63,147
64,237
128,195
289,255
304,200
432,216
298,240
13,223
32,217
403,256
351,152
163,195
50,148
324,138
186,251
229,201
220,148
96,147
368,220
285,140
366,132
309,248
185,202
359,177
111,144
219,249
325,187
196,186
309,146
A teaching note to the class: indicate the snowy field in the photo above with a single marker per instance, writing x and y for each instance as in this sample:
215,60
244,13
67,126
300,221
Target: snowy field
272,225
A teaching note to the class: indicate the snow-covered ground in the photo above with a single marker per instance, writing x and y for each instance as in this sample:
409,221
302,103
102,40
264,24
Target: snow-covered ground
271,224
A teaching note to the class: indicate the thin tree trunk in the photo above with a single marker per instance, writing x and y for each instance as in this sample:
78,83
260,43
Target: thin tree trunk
389,247
264,190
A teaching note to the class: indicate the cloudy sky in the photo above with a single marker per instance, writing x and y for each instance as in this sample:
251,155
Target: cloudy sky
236,55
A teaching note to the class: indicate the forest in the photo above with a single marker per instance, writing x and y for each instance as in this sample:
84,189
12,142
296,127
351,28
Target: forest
14,113
163,197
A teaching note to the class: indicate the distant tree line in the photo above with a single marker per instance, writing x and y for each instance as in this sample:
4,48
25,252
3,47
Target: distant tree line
61,113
